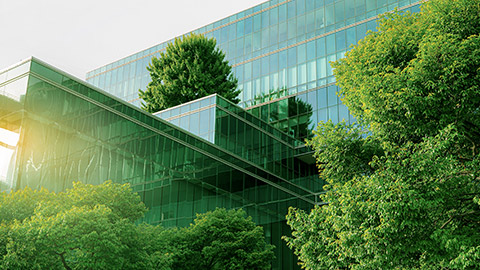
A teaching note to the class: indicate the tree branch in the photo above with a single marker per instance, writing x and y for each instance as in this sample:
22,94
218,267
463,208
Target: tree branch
63,260
455,216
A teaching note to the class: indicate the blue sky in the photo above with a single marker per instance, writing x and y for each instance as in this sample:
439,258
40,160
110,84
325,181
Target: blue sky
78,36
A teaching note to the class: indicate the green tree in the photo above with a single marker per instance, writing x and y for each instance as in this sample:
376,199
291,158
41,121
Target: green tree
222,239
86,227
403,188
190,68
417,74
93,227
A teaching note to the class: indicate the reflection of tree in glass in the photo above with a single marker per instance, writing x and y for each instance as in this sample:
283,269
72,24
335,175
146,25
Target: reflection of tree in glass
272,94
304,111
291,115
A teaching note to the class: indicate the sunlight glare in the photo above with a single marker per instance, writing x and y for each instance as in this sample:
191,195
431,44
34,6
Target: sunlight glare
8,137
8,140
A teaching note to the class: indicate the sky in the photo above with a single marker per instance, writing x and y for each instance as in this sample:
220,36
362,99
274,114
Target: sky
79,36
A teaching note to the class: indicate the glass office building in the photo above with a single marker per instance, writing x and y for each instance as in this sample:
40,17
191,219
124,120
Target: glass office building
208,153
56,129
278,50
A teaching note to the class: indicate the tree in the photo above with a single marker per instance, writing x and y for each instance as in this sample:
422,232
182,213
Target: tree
83,228
93,227
403,188
417,74
190,68
222,239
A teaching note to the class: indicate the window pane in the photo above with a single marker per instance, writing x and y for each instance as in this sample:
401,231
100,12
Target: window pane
240,28
282,32
301,53
300,25
320,47
292,76
302,73
340,40
332,95
292,56
329,15
320,18
311,50
248,25
292,28
339,12
322,67
312,71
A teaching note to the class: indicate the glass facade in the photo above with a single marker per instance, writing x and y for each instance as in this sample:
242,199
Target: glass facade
208,153
245,135
197,117
69,131
280,53
13,87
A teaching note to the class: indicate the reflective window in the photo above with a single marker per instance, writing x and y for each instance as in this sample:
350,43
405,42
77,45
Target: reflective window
339,11
289,45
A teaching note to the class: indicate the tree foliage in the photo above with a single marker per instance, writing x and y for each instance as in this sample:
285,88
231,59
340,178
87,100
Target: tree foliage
222,239
417,74
190,68
83,228
404,187
93,227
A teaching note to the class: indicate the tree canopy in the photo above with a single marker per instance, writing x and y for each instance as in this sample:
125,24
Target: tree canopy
222,239
191,67
93,227
85,227
417,74
404,184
